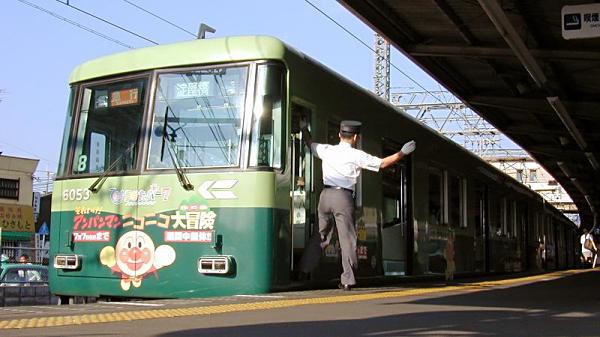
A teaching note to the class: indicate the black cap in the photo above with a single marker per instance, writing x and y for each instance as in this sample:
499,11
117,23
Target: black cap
350,127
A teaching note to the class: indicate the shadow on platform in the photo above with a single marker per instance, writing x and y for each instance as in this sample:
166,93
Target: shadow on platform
568,306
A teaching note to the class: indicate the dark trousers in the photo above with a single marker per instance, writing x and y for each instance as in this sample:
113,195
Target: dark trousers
339,204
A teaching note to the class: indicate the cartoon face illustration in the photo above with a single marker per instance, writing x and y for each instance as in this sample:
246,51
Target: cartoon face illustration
135,253
134,257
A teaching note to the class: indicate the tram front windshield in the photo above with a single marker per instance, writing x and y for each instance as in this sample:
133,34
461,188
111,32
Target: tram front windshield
197,119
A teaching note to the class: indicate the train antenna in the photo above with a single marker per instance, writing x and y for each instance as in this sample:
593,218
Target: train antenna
203,29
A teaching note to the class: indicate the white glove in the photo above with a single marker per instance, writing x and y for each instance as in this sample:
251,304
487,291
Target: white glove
303,124
409,147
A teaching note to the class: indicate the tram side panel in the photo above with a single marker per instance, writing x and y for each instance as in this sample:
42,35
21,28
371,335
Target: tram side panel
436,164
511,238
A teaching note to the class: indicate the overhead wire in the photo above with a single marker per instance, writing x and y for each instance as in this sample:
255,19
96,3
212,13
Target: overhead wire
371,49
76,24
106,21
215,132
159,17
188,32
28,152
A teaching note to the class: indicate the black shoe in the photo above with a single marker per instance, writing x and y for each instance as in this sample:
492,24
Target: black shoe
345,287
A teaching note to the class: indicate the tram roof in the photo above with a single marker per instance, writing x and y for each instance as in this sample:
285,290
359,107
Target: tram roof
509,62
216,50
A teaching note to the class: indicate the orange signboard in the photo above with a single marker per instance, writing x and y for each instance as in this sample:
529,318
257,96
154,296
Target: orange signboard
124,97
16,218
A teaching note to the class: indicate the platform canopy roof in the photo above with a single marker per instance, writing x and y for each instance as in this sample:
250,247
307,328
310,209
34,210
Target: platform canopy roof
509,62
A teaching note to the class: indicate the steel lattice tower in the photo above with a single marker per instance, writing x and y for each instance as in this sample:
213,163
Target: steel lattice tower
445,113
381,77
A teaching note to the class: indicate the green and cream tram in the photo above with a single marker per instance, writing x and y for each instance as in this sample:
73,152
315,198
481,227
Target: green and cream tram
182,174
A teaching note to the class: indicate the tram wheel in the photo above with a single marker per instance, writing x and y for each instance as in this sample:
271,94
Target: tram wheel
65,300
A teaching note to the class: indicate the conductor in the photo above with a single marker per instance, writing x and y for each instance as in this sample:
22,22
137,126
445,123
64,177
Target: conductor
342,164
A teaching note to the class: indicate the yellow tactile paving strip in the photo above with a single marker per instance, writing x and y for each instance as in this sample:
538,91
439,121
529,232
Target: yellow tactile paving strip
52,321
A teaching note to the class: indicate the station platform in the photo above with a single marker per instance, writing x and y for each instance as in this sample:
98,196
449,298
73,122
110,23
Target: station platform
563,303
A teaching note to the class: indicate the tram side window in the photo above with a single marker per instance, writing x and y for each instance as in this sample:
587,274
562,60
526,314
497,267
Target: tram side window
521,218
479,209
110,119
536,231
511,217
66,140
268,122
435,196
514,218
395,189
457,201
503,217
548,230
495,213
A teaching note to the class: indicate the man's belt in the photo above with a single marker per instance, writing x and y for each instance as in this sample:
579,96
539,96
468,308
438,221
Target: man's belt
338,188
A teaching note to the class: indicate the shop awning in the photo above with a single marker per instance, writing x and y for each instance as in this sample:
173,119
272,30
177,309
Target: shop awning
16,236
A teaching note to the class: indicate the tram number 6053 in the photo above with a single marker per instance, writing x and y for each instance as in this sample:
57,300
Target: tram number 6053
77,194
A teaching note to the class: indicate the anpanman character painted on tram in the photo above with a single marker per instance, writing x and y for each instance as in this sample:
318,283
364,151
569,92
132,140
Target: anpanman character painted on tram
135,258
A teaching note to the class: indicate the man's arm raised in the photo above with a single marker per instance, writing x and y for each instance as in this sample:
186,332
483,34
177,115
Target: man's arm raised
407,149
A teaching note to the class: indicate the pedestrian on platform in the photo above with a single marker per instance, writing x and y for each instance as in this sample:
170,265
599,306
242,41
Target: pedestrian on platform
449,256
341,165
539,254
588,248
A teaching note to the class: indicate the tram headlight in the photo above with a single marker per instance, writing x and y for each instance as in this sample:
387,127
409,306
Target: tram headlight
67,262
221,264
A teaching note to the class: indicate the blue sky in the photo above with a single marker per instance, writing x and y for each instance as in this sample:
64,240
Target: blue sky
39,51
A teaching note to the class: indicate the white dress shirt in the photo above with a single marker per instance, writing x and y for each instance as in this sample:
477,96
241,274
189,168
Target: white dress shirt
342,163
582,240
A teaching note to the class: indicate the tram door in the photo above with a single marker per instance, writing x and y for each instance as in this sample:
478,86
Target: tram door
301,186
395,211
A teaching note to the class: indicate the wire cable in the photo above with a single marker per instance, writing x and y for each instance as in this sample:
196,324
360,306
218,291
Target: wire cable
371,49
28,152
160,18
76,24
106,21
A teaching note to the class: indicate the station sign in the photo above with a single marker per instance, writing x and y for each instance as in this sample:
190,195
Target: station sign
581,21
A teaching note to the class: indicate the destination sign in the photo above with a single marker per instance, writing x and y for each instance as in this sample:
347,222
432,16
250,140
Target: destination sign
124,97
